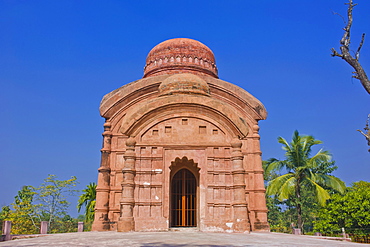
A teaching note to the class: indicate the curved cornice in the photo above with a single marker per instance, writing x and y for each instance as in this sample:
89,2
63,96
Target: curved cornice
138,117
172,64
141,90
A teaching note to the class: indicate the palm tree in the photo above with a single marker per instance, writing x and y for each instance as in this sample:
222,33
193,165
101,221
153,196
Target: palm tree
303,173
88,199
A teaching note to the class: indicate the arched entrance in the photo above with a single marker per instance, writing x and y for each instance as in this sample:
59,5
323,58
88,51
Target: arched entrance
184,199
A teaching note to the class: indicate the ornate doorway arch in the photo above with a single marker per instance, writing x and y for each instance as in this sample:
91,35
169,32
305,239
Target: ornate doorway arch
184,199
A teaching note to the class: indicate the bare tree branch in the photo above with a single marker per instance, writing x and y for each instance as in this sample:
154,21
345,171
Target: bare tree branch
360,46
335,13
367,129
345,54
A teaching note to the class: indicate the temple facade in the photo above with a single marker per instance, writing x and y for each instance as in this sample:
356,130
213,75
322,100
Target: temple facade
181,149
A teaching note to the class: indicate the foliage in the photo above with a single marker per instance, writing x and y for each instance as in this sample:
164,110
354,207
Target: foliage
351,211
45,203
23,217
88,200
281,215
4,213
64,224
278,218
51,198
306,181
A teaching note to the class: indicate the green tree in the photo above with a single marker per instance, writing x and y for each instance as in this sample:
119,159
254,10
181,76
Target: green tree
23,216
51,198
351,211
44,203
64,224
88,200
281,214
4,214
276,215
304,174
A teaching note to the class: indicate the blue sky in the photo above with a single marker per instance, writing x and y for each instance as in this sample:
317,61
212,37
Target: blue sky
59,58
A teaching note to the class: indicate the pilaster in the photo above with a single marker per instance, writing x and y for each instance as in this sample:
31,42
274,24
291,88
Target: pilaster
101,221
126,221
260,210
241,220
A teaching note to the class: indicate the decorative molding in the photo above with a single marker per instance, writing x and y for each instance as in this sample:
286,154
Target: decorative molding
149,185
149,158
148,203
218,158
152,172
255,152
191,63
219,204
219,172
226,187
183,162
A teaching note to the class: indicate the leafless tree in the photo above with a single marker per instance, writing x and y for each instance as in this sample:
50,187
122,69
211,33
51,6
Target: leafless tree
345,54
367,131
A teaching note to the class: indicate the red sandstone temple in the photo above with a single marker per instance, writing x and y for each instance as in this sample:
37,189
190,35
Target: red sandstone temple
181,149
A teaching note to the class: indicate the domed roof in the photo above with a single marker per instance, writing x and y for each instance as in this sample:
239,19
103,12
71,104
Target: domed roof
180,55
184,83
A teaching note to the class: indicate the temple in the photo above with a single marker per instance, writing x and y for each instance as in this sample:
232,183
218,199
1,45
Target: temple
181,149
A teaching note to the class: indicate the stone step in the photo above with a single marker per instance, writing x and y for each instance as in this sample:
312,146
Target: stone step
184,229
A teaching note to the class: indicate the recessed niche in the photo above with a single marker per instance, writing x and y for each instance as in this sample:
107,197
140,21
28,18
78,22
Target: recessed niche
167,129
155,132
184,121
202,129
215,132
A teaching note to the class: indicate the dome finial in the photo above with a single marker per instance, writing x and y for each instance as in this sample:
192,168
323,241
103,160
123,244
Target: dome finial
180,55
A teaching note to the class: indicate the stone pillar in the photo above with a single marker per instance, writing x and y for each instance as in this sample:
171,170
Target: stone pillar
241,220
260,210
80,227
7,227
126,221
44,227
101,221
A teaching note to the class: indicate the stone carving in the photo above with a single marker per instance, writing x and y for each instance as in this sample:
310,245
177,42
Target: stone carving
200,58
181,148
183,163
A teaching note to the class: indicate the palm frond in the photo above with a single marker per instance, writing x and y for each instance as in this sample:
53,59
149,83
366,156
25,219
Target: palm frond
321,194
305,173
330,182
275,186
321,156
287,189
87,199
286,145
275,165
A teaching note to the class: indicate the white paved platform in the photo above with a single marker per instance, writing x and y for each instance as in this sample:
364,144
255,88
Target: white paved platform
177,239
